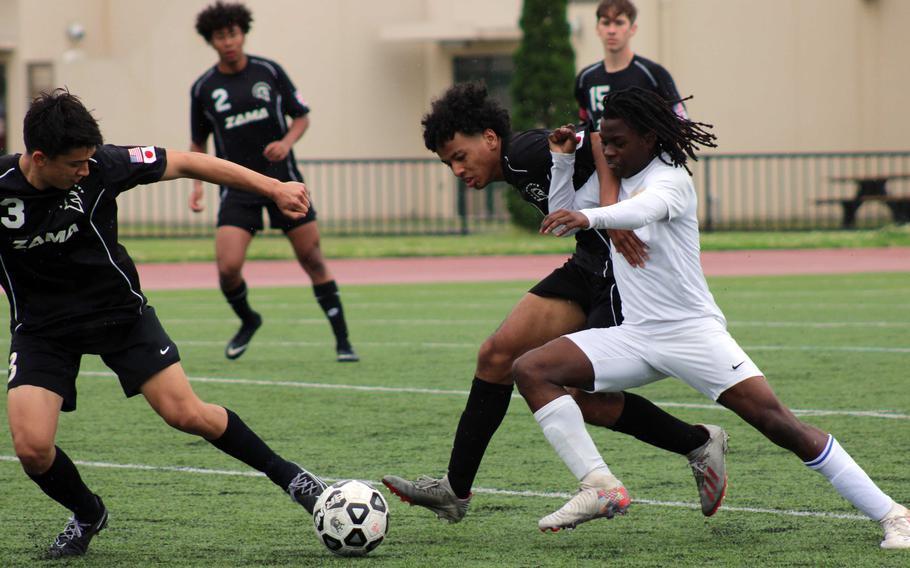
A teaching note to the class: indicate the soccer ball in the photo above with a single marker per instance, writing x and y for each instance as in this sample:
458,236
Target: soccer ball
351,518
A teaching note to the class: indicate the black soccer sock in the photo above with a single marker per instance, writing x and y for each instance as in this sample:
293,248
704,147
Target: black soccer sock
330,302
62,483
648,423
486,407
241,443
237,298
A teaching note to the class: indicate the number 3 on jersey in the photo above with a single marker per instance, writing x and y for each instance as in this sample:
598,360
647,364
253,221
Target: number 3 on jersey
15,213
12,366
221,97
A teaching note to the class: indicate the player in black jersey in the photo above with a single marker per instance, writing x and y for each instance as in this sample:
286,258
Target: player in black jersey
243,100
471,134
620,68
73,290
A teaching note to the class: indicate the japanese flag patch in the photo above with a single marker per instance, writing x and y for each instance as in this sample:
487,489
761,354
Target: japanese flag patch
143,155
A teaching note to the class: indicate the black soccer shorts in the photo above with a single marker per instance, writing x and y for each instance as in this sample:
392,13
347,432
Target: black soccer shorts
135,351
245,213
595,293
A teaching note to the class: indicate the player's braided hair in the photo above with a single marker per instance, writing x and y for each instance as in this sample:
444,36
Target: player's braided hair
222,15
464,108
57,122
646,111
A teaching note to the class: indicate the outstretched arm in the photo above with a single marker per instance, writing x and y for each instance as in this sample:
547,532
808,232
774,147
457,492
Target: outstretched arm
291,197
634,213
196,204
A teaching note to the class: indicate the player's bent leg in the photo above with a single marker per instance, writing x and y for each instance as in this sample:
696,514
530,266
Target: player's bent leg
531,323
33,417
756,403
170,395
231,244
33,414
305,241
543,373
534,321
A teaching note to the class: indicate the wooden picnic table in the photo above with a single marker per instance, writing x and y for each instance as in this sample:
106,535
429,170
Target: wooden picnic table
871,188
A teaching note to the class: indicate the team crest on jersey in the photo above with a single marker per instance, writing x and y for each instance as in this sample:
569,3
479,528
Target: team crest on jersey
262,91
73,200
534,192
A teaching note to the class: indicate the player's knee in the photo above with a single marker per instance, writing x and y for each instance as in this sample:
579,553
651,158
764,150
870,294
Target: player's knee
36,456
186,418
495,358
528,372
312,262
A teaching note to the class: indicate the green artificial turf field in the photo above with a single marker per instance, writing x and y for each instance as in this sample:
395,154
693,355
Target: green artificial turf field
834,347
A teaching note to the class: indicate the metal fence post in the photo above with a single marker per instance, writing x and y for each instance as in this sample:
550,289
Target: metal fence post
709,199
463,207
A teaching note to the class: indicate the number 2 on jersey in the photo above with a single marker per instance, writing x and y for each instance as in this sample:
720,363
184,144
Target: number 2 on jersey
221,97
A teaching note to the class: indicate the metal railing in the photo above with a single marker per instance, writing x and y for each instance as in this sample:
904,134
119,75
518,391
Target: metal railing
421,197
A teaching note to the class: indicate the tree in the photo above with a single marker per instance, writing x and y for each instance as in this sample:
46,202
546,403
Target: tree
542,84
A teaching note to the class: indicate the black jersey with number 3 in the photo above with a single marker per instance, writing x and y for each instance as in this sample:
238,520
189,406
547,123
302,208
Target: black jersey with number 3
526,164
60,263
246,112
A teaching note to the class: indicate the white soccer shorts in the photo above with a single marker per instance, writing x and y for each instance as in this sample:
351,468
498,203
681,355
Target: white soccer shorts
699,352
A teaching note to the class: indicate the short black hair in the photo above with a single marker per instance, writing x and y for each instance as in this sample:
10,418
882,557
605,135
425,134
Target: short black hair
58,122
221,15
464,108
619,7
645,111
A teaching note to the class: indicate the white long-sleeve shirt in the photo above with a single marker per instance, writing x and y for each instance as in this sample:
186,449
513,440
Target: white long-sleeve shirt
659,203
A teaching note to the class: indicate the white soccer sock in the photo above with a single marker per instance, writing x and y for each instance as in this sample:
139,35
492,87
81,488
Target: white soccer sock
564,427
851,481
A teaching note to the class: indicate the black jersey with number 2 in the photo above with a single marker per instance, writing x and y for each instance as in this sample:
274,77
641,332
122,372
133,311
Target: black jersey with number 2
246,112
62,268
526,164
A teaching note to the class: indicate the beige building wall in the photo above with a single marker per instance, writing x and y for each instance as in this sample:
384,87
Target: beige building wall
776,75
772,76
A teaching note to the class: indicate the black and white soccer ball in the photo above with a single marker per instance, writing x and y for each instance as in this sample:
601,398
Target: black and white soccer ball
351,518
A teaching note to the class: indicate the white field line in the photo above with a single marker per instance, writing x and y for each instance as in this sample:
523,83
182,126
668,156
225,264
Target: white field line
414,390
492,321
488,491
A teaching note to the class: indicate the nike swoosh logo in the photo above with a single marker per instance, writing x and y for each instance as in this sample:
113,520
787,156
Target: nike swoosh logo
738,366
235,350
165,350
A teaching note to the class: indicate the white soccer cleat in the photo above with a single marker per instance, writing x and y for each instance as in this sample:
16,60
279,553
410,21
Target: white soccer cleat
896,525
710,470
604,496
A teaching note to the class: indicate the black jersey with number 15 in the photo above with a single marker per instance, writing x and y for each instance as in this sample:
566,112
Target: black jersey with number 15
62,268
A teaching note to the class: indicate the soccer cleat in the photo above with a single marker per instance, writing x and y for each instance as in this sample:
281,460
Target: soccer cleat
305,489
346,355
433,494
603,497
76,536
241,340
710,469
896,525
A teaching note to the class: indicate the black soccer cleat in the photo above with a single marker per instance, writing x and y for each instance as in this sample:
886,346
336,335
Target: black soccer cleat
346,355
76,536
305,489
241,340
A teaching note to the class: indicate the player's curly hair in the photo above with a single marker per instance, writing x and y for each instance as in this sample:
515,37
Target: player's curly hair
646,111
57,122
222,15
463,108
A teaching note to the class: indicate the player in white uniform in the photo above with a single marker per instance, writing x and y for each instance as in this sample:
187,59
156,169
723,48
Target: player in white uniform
671,327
